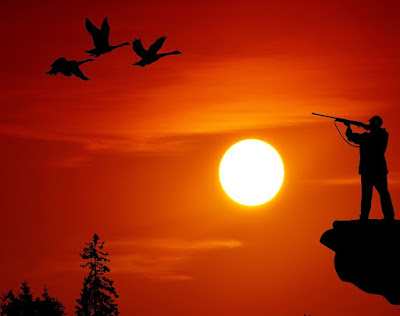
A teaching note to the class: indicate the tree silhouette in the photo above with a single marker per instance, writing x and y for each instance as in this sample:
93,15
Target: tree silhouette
10,305
48,305
23,304
98,293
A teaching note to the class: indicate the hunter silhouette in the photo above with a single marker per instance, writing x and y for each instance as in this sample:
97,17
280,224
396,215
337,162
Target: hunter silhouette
373,168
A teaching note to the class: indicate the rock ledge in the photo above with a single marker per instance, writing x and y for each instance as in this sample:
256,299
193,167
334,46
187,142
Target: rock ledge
367,255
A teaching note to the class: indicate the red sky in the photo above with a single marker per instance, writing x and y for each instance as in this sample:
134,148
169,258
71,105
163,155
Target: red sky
133,154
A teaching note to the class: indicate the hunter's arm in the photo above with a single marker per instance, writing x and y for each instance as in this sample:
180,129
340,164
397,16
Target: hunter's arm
353,137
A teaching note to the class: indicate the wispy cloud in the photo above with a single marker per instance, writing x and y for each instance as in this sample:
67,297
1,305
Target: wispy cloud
162,259
339,181
141,143
74,162
356,180
174,244
209,99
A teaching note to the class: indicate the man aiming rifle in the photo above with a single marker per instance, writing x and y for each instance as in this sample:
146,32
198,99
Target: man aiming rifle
373,168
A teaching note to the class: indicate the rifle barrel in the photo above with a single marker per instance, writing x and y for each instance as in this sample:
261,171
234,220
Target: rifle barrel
333,117
339,119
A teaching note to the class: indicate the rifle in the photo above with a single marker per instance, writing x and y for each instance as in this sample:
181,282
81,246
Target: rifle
344,121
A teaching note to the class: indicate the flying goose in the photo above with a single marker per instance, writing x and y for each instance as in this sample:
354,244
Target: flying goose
150,56
100,39
68,68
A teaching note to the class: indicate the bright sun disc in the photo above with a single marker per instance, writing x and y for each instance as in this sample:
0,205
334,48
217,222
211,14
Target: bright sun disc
251,172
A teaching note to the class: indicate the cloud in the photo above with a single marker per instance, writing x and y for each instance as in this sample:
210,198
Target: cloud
161,266
74,162
209,98
162,259
174,244
149,143
340,181
356,180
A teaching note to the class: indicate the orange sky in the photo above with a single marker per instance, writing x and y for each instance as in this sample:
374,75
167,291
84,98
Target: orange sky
133,154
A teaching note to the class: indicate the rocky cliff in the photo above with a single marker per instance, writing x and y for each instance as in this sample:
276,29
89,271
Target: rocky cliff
367,255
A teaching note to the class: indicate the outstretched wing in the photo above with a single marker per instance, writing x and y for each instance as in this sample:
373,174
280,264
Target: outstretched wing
155,47
77,72
91,28
105,28
138,48
59,62
52,71
100,37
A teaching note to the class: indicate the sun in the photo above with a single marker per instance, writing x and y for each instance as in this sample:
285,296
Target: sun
251,172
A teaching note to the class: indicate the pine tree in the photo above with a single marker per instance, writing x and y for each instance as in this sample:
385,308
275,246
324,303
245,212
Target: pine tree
24,305
48,305
98,293
21,304
26,299
9,304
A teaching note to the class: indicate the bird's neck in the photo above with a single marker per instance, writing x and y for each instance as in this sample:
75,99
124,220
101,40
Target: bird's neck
169,53
123,44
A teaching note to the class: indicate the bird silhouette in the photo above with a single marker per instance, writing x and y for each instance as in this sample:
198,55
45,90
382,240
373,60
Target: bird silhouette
68,68
100,39
150,56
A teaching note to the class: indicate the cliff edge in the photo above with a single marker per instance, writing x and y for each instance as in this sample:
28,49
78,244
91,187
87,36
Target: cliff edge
367,255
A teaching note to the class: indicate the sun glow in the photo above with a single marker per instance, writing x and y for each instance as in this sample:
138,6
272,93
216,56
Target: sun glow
251,172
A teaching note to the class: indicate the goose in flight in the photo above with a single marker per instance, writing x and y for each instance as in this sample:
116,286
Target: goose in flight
68,68
100,39
150,56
